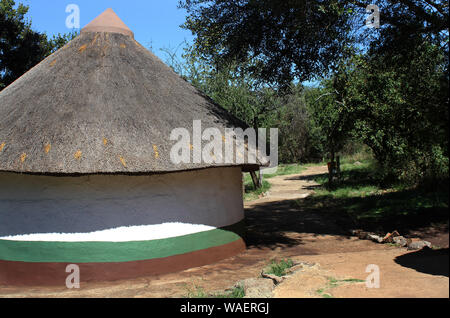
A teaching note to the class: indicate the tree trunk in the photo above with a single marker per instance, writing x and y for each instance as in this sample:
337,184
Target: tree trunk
331,167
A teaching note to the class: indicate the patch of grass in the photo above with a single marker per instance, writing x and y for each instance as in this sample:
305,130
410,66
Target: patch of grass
236,292
352,280
285,169
363,155
251,193
279,268
374,205
314,164
333,282
393,244
199,292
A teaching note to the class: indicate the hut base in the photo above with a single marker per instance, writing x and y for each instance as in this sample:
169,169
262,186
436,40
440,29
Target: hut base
13,273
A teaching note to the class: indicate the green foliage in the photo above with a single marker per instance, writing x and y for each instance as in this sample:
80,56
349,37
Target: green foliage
252,193
398,106
236,292
392,95
329,117
199,292
371,203
279,268
59,40
286,169
234,88
287,38
299,137
21,48
333,283
298,38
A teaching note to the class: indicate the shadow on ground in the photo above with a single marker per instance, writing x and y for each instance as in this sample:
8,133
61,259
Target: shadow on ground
412,213
275,224
428,261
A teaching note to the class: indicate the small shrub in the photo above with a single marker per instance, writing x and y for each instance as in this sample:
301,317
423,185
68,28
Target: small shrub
198,292
279,268
236,292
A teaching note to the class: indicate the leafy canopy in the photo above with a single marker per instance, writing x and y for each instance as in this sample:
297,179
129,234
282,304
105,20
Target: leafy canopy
21,48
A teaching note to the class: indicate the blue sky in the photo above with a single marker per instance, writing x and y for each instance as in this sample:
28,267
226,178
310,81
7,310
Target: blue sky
155,23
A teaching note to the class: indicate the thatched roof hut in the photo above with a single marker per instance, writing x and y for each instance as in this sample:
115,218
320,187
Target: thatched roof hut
85,170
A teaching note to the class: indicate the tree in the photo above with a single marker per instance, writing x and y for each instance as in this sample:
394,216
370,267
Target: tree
234,88
387,86
328,111
288,38
231,86
299,140
398,105
303,39
21,48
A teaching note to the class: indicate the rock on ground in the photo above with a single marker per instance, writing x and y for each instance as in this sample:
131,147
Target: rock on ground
417,245
257,287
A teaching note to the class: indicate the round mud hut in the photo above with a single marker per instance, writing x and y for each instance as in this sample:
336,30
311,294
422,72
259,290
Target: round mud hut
85,170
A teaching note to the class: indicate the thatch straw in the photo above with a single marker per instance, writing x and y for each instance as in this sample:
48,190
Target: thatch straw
101,104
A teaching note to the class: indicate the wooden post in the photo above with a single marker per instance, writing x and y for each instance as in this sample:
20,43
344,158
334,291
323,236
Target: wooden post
255,179
260,178
330,172
243,184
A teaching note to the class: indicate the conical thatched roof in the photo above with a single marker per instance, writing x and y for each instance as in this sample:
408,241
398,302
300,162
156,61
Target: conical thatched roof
101,104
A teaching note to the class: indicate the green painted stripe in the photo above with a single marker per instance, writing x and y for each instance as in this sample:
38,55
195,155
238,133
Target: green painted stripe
96,252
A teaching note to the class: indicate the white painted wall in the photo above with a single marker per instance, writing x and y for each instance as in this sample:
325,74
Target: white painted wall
45,204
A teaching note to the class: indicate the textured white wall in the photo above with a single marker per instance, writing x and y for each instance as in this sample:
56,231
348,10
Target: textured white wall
45,204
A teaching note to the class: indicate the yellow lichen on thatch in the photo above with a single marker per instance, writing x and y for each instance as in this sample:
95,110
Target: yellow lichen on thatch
47,148
78,155
124,163
82,48
53,63
2,146
95,39
23,157
105,141
123,46
155,149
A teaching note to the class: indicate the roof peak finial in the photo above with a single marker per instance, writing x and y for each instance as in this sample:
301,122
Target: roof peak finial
108,21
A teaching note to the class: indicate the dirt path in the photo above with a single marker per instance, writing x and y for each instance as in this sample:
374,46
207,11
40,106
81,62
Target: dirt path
284,225
290,187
